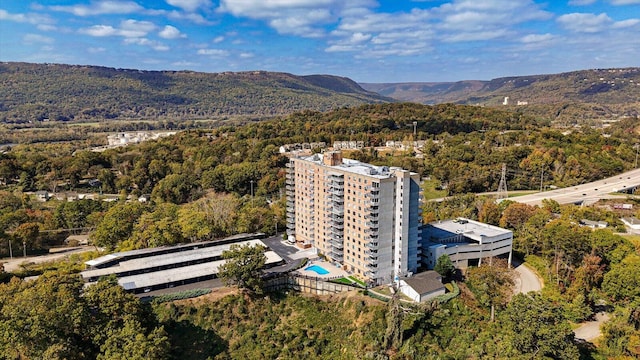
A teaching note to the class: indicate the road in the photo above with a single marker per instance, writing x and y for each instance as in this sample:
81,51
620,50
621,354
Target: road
591,329
11,265
589,192
526,279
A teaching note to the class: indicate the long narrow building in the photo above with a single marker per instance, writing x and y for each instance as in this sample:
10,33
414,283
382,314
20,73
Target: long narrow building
364,218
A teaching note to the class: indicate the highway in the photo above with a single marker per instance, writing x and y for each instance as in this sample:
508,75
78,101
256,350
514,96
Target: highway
585,193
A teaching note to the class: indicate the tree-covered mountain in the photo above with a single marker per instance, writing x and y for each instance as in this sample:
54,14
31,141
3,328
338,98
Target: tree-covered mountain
36,92
566,97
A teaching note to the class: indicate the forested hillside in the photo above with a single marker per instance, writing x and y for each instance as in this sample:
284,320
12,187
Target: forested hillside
37,92
207,184
567,98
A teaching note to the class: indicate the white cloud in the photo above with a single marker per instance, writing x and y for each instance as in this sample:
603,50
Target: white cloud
213,52
128,29
36,38
581,2
218,39
536,38
100,30
146,42
100,7
30,18
171,32
246,55
625,2
298,17
189,5
625,23
96,50
585,23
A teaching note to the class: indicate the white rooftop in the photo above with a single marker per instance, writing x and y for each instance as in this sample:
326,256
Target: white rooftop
163,259
469,228
354,166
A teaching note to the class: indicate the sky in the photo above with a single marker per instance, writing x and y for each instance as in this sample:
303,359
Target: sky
365,40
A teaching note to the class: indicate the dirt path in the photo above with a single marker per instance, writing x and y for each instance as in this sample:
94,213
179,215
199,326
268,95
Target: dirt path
11,265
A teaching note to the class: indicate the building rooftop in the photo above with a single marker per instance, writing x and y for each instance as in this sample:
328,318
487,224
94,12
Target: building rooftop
154,261
468,228
180,274
425,282
353,166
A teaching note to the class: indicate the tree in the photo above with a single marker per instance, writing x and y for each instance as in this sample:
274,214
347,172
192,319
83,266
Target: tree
622,282
243,266
536,326
117,224
444,266
492,285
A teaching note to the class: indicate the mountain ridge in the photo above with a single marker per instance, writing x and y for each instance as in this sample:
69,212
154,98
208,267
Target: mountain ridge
38,92
590,94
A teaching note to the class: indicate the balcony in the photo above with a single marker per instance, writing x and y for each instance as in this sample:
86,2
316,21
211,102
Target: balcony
337,210
372,217
371,274
336,257
338,226
375,203
371,252
373,209
291,220
336,244
337,251
337,198
372,224
372,245
291,203
336,192
371,231
373,267
289,176
291,209
373,196
290,165
290,232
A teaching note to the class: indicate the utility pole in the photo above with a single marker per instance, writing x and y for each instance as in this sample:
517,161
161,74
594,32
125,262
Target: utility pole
251,193
502,187
24,248
10,250
415,123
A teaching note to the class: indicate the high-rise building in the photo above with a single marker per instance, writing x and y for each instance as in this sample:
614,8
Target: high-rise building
363,217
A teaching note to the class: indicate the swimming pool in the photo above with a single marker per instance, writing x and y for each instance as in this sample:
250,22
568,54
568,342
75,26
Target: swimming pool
317,269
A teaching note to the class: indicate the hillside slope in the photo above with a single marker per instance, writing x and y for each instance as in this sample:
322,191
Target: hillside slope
35,92
577,95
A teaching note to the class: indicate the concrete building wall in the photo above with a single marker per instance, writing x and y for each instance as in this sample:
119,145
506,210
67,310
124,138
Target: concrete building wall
356,214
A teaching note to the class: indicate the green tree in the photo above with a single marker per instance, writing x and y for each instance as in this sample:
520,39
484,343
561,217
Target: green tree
622,282
444,266
117,224
492,285
243,266
536,328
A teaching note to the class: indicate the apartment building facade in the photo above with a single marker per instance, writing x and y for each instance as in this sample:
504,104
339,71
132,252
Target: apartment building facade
363,217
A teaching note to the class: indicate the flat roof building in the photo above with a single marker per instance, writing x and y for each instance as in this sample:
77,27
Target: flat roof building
167,266
467,242
364,217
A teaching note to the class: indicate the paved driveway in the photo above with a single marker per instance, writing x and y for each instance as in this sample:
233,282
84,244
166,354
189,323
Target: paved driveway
526,279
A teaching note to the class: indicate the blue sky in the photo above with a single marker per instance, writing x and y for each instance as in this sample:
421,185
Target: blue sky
366,40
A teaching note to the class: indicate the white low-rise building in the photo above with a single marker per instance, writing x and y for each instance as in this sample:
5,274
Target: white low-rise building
423,286
467,242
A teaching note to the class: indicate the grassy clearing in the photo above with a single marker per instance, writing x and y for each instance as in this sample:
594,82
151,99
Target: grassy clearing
357,281
429,190
635,239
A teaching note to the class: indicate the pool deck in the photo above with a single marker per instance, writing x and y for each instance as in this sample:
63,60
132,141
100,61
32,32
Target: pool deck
334,272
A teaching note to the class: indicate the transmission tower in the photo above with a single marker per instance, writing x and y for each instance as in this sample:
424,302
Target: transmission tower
502,187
